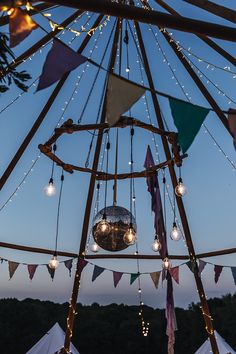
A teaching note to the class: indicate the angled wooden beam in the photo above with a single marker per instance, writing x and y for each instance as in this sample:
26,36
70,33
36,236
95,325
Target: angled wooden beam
41,116
204,38
108,7
218,10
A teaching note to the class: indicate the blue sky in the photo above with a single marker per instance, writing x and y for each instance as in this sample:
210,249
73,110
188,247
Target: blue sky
30,219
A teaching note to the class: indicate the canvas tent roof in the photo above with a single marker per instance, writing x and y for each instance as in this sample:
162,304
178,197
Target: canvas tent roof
223,347
51,342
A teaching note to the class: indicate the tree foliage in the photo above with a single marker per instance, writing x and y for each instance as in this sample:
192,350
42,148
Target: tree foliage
112,329
13,76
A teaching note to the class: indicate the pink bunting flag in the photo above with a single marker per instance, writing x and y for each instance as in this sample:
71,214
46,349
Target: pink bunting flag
232,124
155,278
174,272
12,266
82,264
201,266
60,60
20,26
217,269
32,269
117,277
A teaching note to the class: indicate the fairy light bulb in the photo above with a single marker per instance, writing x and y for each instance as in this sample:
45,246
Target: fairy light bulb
175,234
94,247
103,226
50,189
156,246
127,69
53,263
166,263
130,236
180,189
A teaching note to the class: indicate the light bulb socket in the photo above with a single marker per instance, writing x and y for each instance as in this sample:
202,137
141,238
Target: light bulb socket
54,147
51,181
55,254
156,237
174,224
104,217
180,180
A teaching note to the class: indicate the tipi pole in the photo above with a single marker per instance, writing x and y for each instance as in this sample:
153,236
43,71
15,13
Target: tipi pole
41,116
75,291
188,237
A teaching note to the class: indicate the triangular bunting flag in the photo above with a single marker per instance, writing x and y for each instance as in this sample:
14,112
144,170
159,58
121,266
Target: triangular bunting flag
117,277
51,271
164,273
233,270
69,263
32,269
121,95
82,264
20,26
232,124
60,60
188,119
133,277
155,278
12,266
191,265
174,272
97,271
201,266
217,269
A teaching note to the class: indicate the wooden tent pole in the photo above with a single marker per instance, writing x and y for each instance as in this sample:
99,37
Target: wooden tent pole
17,61
87,213
188,237
108,7
204,38
41,116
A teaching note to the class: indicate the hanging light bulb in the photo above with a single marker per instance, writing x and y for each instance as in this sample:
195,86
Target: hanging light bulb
94,247
50,189
156,246
103,226
175,233
127,69
166,263
130,236
53,263
180,189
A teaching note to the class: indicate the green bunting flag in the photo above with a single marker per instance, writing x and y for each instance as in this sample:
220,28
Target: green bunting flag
191,265
133,277
188,119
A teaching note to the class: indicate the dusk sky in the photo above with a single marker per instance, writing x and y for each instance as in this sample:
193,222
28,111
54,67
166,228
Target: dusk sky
30,218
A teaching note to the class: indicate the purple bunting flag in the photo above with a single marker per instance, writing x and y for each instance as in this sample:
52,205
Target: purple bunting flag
97,271
32,269
51,271
12,266
117,277
170,315
174,272
68,264
217,269
233,270
20,26
201,266
59,61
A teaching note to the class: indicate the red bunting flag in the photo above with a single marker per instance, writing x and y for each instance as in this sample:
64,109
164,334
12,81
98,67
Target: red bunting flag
117,277
32,269
174,272
218,269
82,264
20,26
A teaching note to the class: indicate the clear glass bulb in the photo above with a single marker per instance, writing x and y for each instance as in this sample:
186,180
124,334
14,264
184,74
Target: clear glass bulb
175,233
127,69
156,246
103,226
50,189
166,263
130,236
53,263
94,247
180,189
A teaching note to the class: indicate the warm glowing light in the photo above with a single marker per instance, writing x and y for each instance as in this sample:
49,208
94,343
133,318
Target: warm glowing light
180,189
50,189
103,226
156,246
94,247
10,11
53,263
130,236
175,233
166,264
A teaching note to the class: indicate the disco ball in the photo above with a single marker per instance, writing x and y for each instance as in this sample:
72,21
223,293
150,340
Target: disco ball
109,227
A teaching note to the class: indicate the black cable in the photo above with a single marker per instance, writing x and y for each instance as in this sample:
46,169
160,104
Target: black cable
58,212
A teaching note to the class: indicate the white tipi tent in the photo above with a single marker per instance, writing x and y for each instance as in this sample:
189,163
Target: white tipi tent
51,342
223,347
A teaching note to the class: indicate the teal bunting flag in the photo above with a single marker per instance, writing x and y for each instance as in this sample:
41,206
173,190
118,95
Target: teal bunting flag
233,270
191,265
188,119
97,271
133,277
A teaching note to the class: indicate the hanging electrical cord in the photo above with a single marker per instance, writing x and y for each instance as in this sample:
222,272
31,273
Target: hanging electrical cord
50,189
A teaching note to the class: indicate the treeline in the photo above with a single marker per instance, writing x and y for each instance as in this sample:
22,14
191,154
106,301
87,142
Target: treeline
112,329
